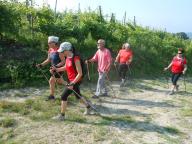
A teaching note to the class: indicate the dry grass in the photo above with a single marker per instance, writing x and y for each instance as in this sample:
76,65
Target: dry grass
141,113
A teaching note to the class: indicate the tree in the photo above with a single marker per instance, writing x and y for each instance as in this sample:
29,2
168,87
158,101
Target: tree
182,35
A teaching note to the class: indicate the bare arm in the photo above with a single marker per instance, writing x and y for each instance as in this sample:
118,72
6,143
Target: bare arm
117,58
168,66
45,62
185,69
61,63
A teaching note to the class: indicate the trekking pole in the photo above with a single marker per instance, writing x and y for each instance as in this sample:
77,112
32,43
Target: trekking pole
129,70
185,83
130,73
167,80
88,74
88,102
115,64
111,86
43,73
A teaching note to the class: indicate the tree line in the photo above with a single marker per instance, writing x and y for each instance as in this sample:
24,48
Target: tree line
24,30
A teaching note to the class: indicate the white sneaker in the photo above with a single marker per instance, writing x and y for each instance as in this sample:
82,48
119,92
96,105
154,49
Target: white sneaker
177,88
59,117
87,111
171,92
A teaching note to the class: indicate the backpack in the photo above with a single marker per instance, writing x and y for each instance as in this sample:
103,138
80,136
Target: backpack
82,62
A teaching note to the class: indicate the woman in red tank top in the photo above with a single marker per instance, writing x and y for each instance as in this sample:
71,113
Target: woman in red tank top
178,67
74,74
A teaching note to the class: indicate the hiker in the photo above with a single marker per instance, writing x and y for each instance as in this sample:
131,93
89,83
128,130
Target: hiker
178,67
54,59
104,59
74,72
124,58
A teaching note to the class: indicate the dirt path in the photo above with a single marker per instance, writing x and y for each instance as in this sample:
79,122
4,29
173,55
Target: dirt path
141,113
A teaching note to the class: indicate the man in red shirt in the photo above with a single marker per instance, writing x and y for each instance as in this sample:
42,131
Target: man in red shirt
178,67
124,58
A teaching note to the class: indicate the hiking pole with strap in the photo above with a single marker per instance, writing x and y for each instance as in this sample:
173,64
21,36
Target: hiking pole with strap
129,70
88,74
167,80
88,102
110,85
130,73
115,64
43,73
185,82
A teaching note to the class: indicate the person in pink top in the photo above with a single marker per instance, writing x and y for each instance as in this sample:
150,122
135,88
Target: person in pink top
104,59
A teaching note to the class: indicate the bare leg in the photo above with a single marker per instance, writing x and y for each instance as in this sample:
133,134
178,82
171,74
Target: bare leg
52,85
63,106
61,81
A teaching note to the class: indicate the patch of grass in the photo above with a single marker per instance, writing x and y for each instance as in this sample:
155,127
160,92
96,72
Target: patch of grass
20,95
7,122
171,140
127,119
103,122
31,107
187,112
7,136
17,107
116,141
172,130
41,116
75,117
100,134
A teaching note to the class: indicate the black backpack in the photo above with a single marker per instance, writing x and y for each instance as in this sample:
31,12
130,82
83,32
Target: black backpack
82,62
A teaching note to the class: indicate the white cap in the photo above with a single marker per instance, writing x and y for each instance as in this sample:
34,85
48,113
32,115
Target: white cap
53,39
65,46
127,45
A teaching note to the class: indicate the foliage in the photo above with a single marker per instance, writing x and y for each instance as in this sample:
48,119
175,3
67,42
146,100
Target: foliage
24,31
182,35
7,122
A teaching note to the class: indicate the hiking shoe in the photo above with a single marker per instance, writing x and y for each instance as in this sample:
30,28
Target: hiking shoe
95,97
104,95
177,88
171,92
87,111
59,117
122,84
50,98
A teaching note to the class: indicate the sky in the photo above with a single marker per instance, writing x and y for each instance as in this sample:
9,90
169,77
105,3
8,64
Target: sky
170,15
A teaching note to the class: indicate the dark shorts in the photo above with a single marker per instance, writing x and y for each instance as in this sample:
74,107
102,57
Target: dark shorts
175,78
67,92
57,74
123,70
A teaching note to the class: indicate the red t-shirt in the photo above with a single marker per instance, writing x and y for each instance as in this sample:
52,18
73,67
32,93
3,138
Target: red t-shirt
71,71
178,64
125,55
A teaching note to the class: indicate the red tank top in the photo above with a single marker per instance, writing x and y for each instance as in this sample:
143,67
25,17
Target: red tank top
178,64
71,71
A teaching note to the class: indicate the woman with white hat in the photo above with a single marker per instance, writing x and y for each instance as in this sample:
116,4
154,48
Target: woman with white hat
54,59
